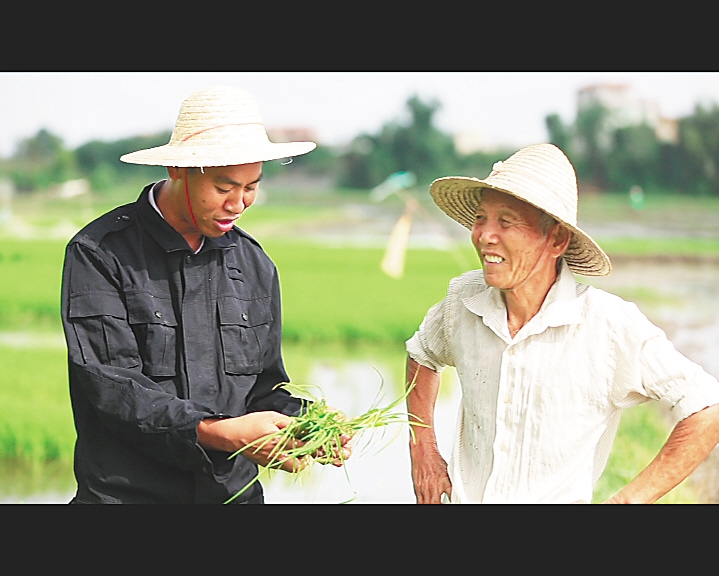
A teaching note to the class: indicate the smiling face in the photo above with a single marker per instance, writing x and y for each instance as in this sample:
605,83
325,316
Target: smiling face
515,252
218,196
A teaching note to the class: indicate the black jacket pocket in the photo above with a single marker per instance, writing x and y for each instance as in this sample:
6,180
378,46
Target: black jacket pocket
244,327
155,325
103,335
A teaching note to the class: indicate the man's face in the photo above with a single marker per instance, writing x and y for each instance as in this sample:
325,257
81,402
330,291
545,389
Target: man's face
510,243
220,195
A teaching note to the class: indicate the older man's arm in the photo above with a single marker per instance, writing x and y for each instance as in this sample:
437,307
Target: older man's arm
689,444
429,469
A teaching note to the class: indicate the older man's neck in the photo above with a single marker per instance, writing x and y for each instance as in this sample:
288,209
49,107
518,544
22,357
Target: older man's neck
523,302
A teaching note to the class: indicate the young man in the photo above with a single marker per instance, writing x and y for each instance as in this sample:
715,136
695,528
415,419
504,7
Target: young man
172,320
546,364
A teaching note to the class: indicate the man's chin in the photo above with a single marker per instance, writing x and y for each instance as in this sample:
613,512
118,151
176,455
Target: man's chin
491,280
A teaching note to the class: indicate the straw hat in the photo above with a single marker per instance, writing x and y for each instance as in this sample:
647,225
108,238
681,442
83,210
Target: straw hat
219,126
540,175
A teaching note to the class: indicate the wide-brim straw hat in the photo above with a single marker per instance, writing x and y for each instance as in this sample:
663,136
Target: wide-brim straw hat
218,126
540,175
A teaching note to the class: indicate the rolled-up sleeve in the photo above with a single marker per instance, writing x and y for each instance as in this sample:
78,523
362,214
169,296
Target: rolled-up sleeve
675,380
648,366
429,345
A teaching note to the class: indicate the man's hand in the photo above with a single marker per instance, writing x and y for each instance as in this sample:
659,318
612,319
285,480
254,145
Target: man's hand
429,469
233,434
429,475
339,453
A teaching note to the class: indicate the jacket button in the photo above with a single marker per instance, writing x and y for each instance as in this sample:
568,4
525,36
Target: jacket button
158,314
244,316
188,258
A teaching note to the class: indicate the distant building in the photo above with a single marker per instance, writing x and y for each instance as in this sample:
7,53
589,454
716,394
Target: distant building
469,141
292,134
71,188
6,193
667,130
627,110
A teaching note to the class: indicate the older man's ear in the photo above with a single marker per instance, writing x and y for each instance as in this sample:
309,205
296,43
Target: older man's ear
561,237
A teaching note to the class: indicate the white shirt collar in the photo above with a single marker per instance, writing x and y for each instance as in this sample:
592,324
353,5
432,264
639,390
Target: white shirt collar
560,307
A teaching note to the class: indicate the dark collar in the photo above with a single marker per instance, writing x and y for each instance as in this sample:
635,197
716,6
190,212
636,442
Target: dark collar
166,236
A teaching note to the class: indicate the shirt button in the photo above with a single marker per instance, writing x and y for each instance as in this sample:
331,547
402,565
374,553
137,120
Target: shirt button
510,351
158,314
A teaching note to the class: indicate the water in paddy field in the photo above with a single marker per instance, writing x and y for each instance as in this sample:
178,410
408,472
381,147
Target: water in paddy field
682,298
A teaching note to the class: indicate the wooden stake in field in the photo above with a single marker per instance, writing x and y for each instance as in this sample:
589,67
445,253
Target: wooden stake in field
397,183
394,258
393,261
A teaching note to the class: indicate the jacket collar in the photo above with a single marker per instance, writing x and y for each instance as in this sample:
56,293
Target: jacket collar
165,235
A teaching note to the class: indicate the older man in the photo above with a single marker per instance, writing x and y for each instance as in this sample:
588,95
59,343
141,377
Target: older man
173,325
546,364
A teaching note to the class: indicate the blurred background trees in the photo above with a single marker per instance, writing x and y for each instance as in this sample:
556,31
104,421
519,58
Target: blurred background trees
100,161
610,155
40,161
416,146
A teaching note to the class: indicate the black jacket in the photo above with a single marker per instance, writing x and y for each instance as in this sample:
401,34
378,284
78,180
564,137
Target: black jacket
158,339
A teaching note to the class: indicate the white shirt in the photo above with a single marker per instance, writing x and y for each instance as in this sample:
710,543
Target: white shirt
539,411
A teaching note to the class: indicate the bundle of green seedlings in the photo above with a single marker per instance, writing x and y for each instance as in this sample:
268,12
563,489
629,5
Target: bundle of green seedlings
320,428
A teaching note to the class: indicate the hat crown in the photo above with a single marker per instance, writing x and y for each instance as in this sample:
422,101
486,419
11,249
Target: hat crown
543,176
215,108
218,126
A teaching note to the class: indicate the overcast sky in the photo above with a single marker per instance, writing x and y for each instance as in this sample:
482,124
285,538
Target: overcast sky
504,107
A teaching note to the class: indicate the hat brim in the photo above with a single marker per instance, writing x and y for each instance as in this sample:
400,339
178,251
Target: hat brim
216,155
458,197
